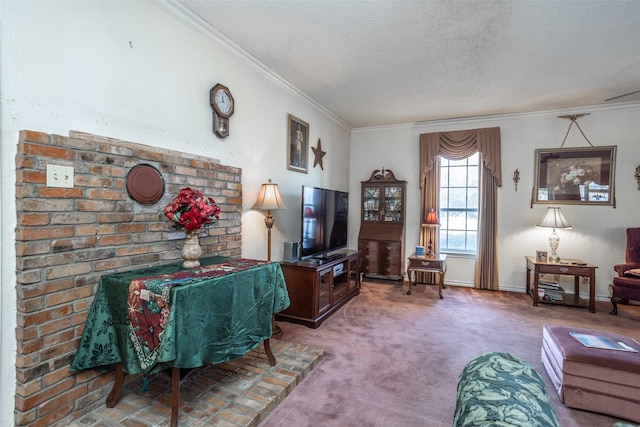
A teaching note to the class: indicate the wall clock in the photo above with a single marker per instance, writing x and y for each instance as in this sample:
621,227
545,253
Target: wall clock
222,103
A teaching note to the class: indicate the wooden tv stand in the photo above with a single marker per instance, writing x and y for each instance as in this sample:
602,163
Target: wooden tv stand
317,288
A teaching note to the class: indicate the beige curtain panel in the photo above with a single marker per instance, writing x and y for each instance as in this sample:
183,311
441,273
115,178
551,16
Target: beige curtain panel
458,145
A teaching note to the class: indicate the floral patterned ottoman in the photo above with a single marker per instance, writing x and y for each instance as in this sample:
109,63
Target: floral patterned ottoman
502,389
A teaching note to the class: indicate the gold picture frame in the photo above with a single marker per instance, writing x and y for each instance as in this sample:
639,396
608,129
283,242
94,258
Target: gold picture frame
579,176
298,144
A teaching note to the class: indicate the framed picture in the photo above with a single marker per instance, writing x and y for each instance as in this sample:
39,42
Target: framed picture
541,256
582,176
298,142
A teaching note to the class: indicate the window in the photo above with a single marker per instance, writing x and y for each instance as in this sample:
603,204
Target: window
459,205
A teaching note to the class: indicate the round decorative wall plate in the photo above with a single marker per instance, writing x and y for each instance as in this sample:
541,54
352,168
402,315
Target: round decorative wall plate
145,184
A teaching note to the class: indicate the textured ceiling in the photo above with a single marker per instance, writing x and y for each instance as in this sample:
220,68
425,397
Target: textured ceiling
375,63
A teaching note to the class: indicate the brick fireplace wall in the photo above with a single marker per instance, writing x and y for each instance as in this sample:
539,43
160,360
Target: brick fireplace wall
66,238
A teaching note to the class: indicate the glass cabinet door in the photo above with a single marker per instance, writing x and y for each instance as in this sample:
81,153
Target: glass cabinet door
371,203
393,204
353,281
324,289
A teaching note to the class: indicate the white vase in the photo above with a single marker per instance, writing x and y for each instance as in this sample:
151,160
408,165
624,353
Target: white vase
191,251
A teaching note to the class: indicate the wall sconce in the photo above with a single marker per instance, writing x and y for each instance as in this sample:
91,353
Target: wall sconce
554,218
516,178
637,176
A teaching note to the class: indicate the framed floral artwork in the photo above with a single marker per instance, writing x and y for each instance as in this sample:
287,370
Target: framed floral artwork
298,144
583,176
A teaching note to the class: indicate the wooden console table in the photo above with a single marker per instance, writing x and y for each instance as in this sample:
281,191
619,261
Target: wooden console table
427,264
212,319
569,267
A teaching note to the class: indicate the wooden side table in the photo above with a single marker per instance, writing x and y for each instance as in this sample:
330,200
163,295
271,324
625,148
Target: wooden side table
568,267
428,264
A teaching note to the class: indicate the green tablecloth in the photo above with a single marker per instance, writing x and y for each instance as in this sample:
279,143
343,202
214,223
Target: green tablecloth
210,321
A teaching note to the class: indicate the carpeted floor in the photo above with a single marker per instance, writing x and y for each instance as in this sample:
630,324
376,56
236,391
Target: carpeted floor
393,359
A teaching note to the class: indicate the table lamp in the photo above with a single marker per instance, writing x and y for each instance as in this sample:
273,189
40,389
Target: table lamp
269,199
431,221
554,218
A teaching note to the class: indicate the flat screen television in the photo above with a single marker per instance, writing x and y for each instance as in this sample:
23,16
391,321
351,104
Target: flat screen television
324,216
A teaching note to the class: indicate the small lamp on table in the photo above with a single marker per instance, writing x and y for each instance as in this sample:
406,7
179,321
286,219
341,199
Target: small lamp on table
554,218
431,222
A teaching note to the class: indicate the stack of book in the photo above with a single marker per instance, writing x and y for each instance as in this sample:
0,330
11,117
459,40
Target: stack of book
549,290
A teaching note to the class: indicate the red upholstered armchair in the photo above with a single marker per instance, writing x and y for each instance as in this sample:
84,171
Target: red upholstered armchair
627,285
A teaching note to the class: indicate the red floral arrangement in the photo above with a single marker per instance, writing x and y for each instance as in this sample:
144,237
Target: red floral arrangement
191,210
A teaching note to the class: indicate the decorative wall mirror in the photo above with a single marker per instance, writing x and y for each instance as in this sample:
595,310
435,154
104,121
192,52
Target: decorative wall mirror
583,176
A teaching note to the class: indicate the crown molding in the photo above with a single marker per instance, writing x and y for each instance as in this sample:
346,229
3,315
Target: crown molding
471,119
181,13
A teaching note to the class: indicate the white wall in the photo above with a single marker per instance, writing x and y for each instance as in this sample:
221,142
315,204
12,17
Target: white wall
130,70
598,233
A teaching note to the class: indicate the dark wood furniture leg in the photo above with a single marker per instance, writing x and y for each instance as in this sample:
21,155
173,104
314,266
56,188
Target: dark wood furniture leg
592,291
533,292
267,349
117,386
614,302
410,283
175,395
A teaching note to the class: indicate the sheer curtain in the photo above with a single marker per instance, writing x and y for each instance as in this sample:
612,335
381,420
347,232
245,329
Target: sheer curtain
455,146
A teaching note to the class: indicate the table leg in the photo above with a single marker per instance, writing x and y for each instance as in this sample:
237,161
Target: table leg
267,349
440,284
592,291
175,395
275,328
535,286
409,277
117,386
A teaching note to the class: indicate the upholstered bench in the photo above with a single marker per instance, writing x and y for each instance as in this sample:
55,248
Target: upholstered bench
593,379
502,389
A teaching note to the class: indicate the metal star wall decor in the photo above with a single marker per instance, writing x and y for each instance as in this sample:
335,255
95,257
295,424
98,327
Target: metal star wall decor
317,151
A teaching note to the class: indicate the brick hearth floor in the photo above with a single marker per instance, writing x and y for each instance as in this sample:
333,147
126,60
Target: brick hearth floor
237,393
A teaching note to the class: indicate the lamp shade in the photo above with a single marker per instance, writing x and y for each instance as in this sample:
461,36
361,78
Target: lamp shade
269,198
554,218
431,220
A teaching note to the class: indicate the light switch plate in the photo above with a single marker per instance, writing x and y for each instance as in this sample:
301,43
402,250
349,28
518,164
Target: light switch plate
59,176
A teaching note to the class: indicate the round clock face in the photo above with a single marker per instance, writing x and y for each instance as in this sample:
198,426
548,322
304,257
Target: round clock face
223,101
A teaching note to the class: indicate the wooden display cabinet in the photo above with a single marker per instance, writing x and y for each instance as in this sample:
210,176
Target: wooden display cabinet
317,288
381,238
